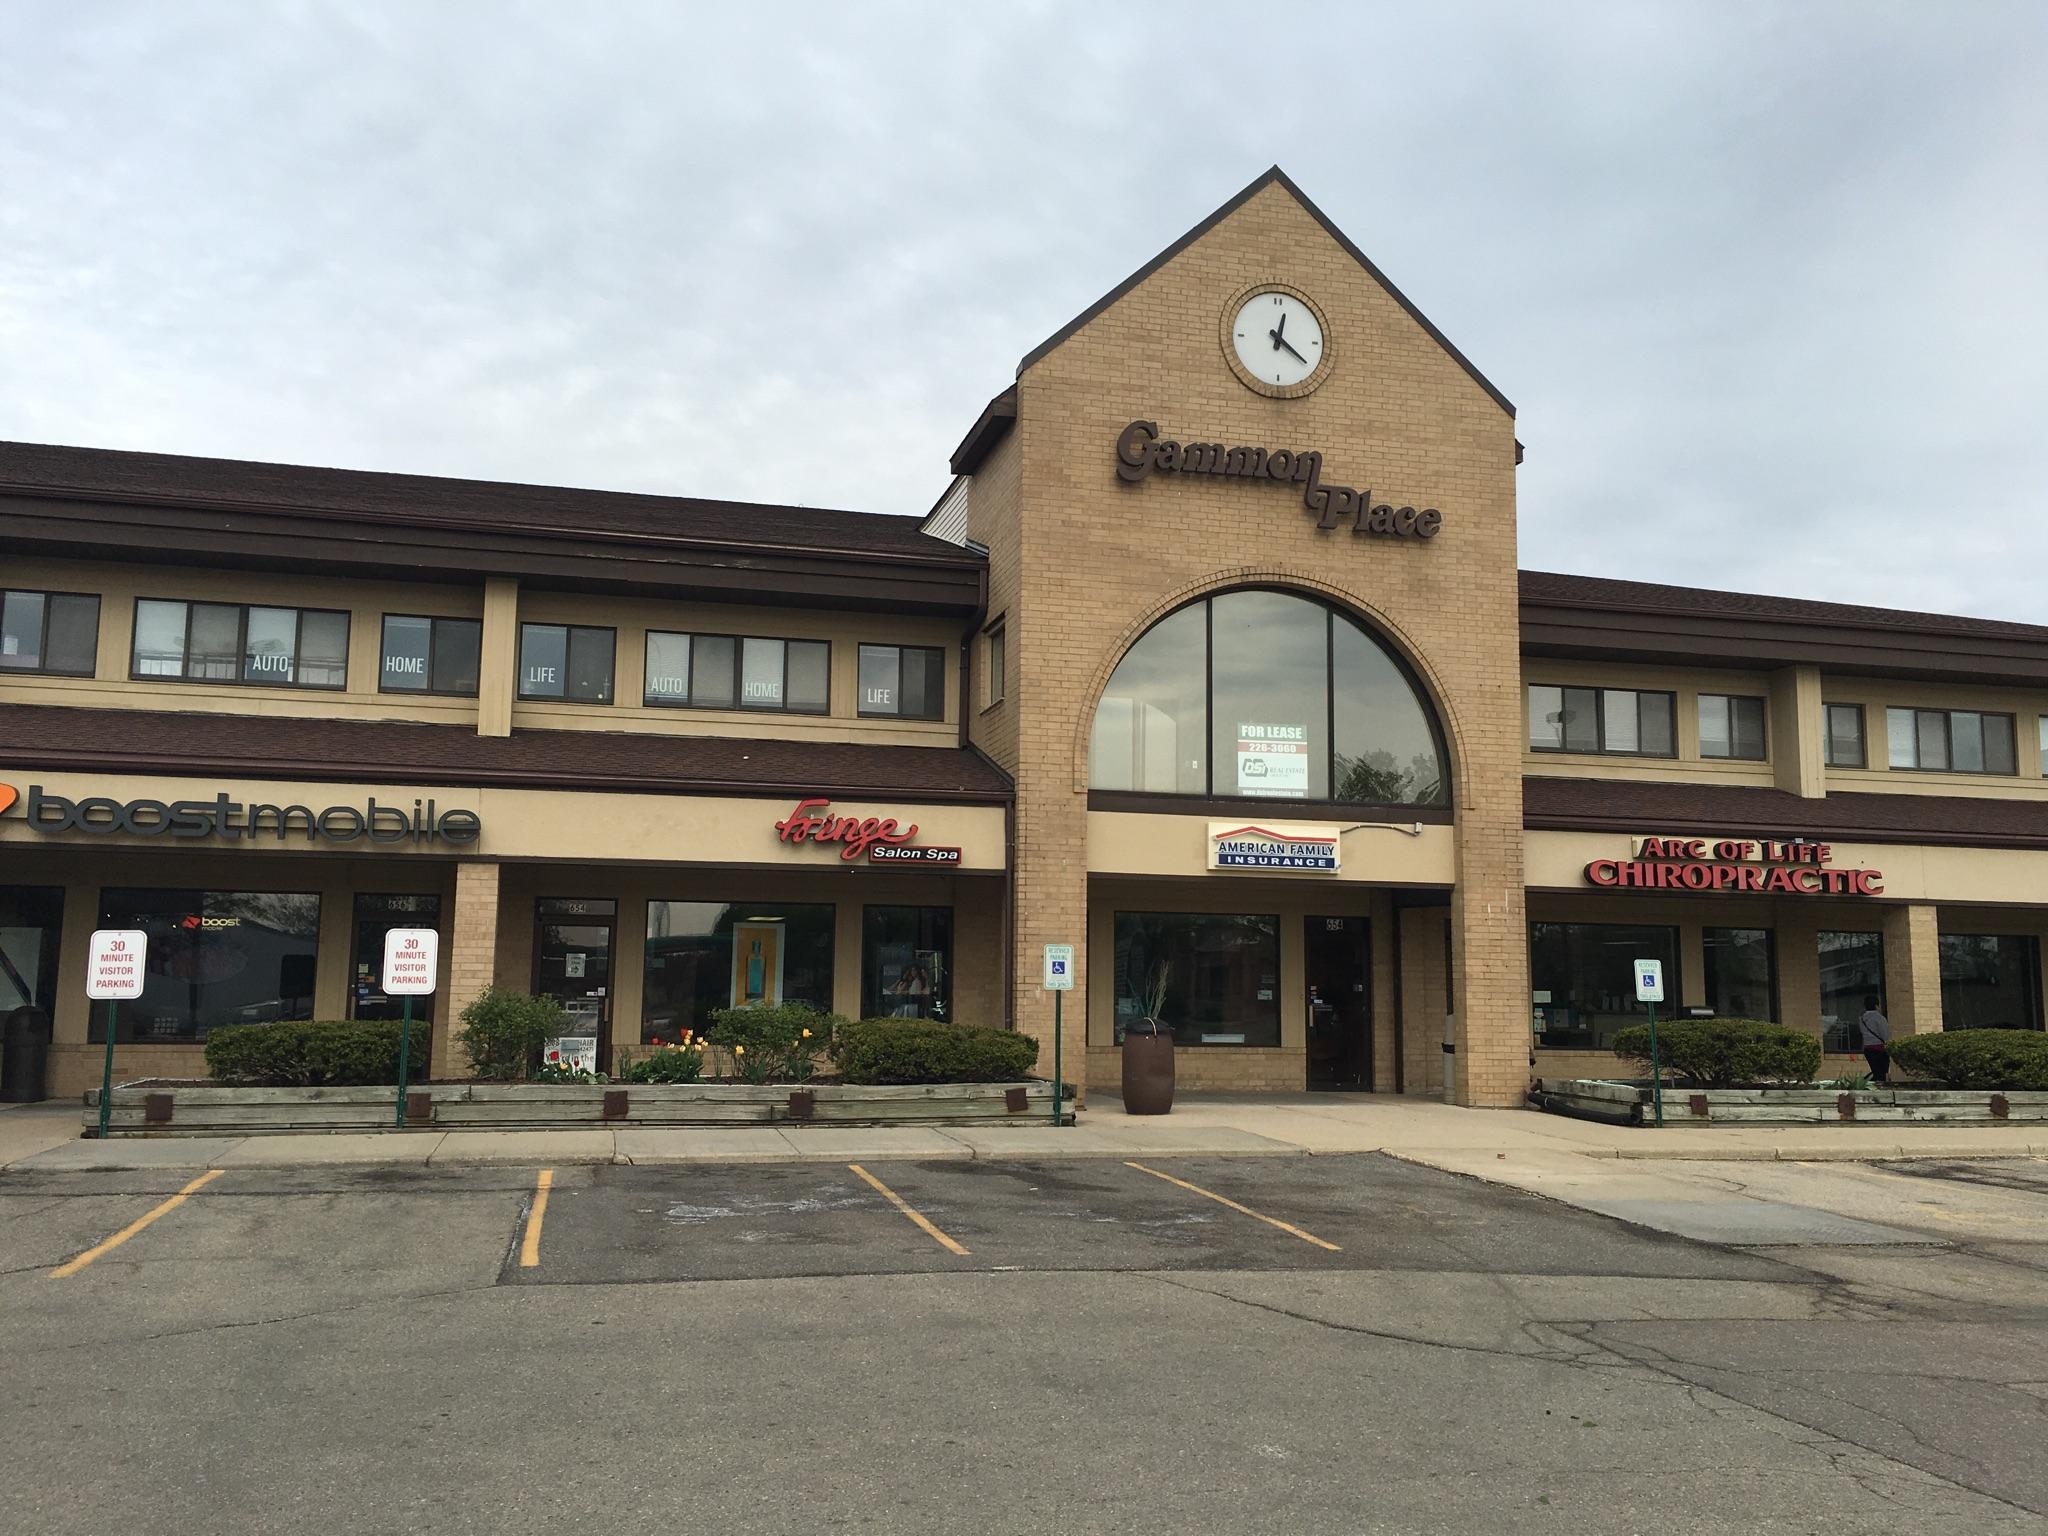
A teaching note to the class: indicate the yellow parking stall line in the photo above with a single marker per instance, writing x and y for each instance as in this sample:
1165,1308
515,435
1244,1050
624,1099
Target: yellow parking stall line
918,1217
73,1266
1271,1221
529,1246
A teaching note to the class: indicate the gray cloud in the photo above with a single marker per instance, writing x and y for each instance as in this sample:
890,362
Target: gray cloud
1768,283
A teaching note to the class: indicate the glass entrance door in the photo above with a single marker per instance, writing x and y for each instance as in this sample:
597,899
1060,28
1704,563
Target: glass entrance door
1336,970
572,963
376,916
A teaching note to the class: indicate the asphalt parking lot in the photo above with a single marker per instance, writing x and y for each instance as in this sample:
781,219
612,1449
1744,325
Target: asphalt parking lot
1258,1345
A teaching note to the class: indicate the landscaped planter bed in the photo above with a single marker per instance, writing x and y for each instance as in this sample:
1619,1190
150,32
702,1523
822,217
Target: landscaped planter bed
159,1107
1629,1101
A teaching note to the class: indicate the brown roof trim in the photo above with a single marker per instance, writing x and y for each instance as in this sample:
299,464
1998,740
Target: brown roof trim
1597,618
46,738
989,429
1642,808
1272,176
75,761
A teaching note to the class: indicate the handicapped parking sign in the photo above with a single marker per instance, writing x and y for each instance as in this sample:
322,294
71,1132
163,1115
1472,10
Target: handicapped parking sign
1649,981
1059,967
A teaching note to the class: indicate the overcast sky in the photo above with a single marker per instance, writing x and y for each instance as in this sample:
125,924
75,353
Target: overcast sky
1768,283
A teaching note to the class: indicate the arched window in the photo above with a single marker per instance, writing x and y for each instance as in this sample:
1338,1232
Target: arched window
1268,695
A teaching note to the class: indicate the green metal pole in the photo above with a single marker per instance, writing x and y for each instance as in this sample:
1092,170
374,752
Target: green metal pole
1059,1090
404,1061
1656,1069
107,1075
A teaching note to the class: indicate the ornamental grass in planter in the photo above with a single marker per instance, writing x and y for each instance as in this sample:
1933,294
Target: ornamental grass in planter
1726,1053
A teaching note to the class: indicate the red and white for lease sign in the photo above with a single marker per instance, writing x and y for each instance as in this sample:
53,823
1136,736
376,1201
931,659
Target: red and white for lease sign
411,961
113,968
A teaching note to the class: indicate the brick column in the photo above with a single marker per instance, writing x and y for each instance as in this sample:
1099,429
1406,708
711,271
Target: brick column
498,679
472,959
1912,969
1798,749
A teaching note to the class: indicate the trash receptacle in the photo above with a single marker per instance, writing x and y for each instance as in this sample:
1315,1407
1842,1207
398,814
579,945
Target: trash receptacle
25,1057
1148,1068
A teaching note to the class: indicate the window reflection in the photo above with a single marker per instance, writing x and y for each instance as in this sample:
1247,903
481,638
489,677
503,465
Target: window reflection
1270,696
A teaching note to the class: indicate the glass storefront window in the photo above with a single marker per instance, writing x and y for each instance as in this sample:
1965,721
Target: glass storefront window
429,655
566,661
1222,975
706,955
215,958
906,965
1262,694
1582,980
49,632
31,923
1851,969
1741,972
376,916
1990,981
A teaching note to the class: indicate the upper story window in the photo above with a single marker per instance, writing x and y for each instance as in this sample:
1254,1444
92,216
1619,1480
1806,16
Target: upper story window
1731,726
997,650
1265,694
241,643
903,682
49,632
572,662
1842,725
733,672
430,655
1626,721
1950,740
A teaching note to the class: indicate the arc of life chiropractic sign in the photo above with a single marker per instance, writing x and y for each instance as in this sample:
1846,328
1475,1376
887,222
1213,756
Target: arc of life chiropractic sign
1761,866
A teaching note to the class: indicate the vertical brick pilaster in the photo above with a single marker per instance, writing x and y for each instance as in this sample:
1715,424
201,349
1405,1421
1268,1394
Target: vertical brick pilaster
472,959
1912,968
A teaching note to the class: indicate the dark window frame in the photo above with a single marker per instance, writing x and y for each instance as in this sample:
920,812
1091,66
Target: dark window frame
1185,1030
1827,733
1770,934
299,612
860,705
1600,721
739,702
1763,753
611,695
996,667
43,640
1209,800
433,621
1948,740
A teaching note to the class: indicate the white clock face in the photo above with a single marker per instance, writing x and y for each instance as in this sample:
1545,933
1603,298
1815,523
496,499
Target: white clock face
1277,338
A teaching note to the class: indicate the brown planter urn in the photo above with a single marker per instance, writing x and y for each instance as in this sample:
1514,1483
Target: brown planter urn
1148,1068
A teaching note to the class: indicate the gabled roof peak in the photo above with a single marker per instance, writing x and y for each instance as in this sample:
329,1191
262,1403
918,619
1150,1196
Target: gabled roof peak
1270,177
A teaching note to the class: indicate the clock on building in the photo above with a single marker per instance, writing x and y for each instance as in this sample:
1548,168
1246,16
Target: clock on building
1275,338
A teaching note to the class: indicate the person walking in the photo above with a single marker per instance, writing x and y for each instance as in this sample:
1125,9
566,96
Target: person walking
1877,1039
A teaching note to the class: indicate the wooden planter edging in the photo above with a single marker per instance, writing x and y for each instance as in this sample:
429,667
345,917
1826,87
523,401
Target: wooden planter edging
1630,1101
155,1108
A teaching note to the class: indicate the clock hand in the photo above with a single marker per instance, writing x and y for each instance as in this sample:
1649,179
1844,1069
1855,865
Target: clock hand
1280,341
1280,332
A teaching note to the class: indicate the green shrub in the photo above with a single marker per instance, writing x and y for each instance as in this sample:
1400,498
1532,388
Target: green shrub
666,1063
1724,1053
2012,1059
769,1044
925,1051
317,1053
504,1032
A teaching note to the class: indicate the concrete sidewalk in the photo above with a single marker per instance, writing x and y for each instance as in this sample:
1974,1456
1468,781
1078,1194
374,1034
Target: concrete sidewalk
1490,1143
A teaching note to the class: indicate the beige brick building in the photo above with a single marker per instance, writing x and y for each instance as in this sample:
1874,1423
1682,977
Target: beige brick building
1213,660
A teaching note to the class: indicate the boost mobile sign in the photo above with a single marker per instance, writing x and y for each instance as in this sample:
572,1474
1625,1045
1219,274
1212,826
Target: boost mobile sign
232,820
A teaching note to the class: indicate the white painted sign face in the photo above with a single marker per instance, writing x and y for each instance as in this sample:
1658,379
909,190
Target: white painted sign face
1059,967
411,961
1272,760
113,966
576,1052
1649,981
